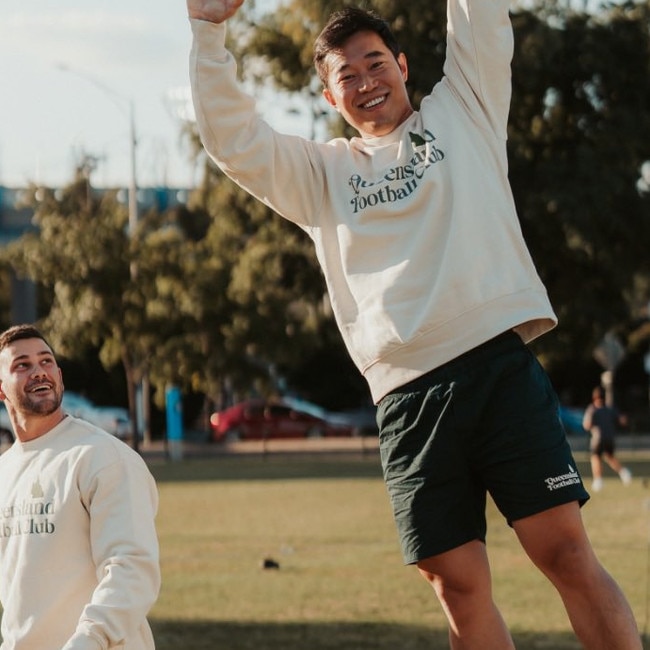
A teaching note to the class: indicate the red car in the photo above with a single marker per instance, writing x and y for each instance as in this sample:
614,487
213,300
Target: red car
259,419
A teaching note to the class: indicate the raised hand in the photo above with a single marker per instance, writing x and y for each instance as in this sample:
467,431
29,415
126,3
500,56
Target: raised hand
214,11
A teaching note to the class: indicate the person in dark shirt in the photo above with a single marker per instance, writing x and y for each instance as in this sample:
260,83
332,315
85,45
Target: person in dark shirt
602,422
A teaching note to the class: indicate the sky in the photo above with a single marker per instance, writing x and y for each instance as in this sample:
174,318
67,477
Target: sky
70,72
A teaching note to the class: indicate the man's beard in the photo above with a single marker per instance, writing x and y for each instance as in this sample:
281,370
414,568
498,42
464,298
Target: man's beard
41,406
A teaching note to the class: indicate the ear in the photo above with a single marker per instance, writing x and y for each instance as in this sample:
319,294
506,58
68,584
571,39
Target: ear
403,65
329,98
3,397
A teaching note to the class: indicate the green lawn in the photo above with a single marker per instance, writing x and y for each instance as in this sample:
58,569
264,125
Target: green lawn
341,583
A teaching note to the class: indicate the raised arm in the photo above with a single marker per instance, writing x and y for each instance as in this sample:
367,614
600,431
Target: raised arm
283,171
214,11
479,51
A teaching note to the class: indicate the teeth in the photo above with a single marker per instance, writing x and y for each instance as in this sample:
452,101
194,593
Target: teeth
374,102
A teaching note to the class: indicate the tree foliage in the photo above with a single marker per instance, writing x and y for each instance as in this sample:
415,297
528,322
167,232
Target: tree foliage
579,131
80,257
219,297
267,314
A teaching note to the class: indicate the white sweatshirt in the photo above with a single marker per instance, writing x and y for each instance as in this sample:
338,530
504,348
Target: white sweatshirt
416,231
79,565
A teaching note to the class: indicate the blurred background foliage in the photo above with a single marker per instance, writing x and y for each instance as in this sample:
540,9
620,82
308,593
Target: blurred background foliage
223,298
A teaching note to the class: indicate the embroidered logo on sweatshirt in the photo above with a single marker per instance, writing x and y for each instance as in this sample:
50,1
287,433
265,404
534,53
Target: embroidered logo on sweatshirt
37,490
31,516
398,182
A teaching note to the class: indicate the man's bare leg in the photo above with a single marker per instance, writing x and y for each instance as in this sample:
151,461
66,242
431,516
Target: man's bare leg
557,543
462,581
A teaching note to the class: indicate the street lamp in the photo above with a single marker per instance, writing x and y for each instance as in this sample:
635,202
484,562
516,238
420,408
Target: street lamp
141,389
120,101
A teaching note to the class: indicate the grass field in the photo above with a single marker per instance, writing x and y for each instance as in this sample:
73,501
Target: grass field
341,583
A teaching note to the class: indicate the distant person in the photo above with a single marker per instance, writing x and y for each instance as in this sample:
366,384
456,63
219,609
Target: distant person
79,567
436,297
602,423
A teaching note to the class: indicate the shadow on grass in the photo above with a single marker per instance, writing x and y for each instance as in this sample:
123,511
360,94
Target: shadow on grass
308,466
272,467
204,635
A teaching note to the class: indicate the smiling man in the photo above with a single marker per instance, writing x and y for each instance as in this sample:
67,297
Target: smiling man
79,563
365,82
436,296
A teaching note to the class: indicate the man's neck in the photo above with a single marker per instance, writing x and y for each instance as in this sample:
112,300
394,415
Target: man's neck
33,426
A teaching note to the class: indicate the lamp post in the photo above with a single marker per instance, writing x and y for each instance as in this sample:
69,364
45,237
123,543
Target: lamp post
126,105
121,102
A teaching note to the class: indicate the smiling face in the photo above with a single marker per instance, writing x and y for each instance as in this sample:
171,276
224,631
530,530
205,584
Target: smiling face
31,382
366,84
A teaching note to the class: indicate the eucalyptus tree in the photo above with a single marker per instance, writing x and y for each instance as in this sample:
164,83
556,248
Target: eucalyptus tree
256,289
80,257
579,131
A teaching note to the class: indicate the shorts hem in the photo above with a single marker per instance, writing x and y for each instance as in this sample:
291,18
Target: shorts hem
414,558
581,499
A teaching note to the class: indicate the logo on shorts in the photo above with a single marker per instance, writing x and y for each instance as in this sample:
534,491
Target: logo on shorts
564,480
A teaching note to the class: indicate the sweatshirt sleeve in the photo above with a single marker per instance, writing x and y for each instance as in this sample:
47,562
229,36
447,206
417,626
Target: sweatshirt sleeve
122,501
283,171
480,45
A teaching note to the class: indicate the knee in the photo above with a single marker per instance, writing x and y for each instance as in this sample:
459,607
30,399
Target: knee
461,580
569,562
557,543
458,591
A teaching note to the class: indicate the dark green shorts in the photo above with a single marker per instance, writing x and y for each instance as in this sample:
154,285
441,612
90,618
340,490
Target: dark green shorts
484,422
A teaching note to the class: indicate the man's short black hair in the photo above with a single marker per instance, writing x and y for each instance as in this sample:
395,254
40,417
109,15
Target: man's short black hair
19,332
344,24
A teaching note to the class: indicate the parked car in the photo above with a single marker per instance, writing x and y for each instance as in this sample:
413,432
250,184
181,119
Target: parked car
261,419
362,421
6,430
113,419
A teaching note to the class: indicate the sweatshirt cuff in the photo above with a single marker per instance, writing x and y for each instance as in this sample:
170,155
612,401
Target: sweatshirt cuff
209,38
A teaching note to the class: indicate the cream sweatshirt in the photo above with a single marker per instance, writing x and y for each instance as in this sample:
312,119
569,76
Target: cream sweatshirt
78,548
416,231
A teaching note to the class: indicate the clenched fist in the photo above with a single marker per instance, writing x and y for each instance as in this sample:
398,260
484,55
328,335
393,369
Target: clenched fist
214,11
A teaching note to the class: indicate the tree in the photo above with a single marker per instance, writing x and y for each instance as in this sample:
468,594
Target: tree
80,257
122,294
578,132
259,289
260,298
5,295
